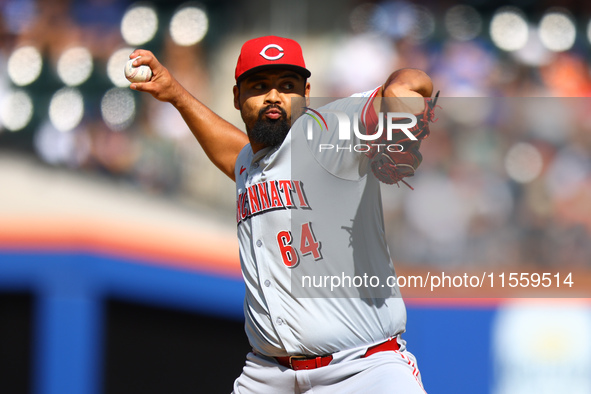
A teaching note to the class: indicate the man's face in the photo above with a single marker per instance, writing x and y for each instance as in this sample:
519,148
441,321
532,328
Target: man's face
264,101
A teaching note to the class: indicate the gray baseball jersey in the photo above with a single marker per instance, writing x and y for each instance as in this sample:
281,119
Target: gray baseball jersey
306,217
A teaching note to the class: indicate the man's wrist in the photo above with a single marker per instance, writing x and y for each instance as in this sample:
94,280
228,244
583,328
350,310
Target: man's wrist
182,99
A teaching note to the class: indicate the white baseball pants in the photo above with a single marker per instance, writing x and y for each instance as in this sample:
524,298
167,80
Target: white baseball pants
387,372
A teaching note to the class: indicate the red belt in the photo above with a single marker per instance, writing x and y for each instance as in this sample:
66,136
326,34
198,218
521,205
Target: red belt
306,362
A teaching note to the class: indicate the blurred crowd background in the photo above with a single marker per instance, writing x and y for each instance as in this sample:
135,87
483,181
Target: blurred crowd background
506,177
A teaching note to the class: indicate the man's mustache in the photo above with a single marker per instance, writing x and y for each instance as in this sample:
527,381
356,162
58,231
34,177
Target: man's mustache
272,106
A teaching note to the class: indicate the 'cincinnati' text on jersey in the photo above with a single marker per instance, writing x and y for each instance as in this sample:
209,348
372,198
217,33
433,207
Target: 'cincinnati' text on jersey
269,195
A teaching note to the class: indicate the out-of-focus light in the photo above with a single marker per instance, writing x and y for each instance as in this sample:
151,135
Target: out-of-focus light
52,145
414,22
361,52
557,31
523,162
533,52
16,110
139,24
188,25
66,109
508,29
363,17
24,65
589,31
118,108
115,67
463,22
75,66
424,26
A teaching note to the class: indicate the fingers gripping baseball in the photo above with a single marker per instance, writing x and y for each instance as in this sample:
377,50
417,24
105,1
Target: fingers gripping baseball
162,85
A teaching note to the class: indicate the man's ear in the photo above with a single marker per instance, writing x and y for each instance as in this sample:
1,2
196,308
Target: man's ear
236,92
307,94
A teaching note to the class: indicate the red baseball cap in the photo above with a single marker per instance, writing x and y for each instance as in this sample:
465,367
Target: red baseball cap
270,52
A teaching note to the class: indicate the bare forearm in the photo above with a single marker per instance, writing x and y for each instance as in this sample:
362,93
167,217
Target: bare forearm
221,141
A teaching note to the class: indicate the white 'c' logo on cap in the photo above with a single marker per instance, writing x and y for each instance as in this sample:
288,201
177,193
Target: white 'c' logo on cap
263,53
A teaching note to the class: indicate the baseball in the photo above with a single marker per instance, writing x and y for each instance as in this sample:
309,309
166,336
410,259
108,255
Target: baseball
137,74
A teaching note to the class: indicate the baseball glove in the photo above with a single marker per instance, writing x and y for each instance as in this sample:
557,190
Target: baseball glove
392,167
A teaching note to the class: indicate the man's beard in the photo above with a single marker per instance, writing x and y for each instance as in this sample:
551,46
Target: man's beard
269,132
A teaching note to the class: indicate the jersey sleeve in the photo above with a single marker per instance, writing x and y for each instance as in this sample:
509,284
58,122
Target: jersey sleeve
344,158
242,162
369,118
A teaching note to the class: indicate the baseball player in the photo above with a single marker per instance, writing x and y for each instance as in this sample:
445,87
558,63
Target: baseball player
304,213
